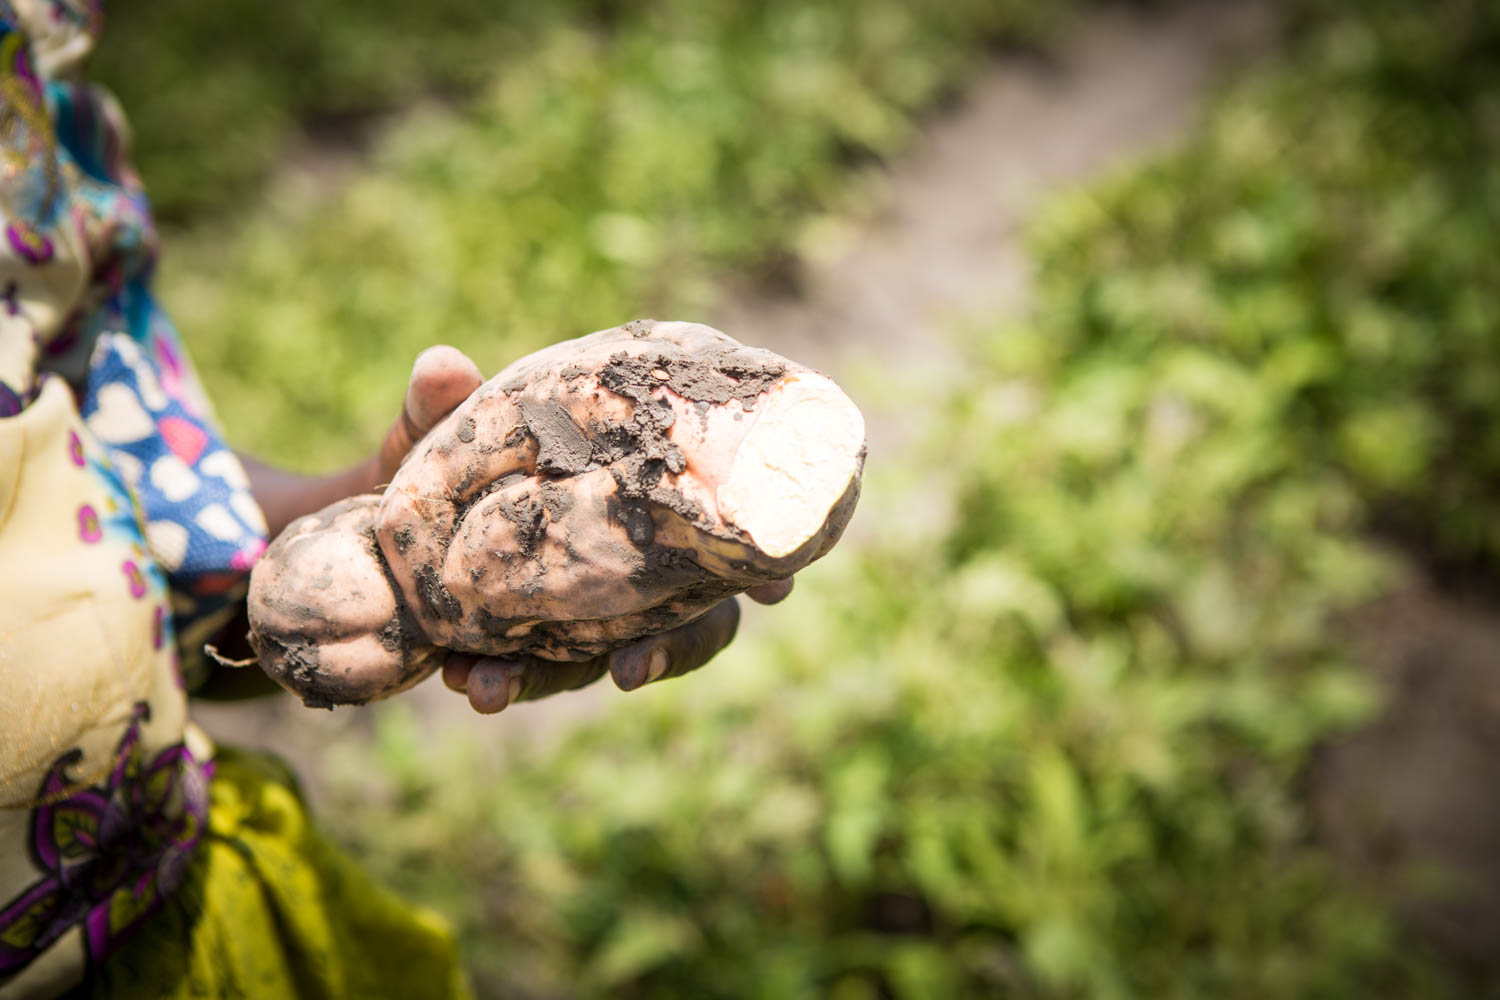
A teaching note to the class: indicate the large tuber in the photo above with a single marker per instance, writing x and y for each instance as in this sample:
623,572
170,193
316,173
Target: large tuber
602,489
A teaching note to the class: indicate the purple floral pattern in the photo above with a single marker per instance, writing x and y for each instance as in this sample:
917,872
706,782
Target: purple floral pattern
109,853
135,578
11,402
29,242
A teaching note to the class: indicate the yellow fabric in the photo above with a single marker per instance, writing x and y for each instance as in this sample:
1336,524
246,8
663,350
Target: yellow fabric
79,648
271,909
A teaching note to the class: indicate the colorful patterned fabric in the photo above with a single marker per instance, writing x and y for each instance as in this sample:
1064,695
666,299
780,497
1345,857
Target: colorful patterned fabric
126,531
75,277
100,771
136,829
202,526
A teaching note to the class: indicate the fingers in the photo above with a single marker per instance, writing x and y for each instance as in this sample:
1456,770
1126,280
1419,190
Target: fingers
492,684
674,653
771,593
441,378
456,671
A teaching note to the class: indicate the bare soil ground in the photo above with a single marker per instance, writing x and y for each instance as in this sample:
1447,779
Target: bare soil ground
945,241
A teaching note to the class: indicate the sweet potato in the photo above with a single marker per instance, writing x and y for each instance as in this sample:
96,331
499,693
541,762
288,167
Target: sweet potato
600,490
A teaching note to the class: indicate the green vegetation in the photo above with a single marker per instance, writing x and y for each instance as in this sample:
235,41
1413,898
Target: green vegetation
1045,746
1332,231
217,92
1050,746
617,162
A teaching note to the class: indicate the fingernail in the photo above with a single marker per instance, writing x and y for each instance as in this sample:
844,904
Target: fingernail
512,690
657,665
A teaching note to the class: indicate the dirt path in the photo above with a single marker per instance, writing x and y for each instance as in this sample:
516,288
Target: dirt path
942,243
945,241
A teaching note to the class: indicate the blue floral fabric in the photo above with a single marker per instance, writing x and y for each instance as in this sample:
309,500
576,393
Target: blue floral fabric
202,526
122,355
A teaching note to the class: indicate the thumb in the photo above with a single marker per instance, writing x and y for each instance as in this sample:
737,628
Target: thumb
441,378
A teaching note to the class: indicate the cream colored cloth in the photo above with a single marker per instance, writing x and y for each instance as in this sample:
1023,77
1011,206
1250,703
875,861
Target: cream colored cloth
84,663
103,783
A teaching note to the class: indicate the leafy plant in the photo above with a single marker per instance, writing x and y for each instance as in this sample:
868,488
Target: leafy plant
1049,746
605,162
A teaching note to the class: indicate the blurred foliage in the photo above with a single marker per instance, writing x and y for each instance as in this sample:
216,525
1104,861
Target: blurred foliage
218,92
612,161
1336,227
1049,747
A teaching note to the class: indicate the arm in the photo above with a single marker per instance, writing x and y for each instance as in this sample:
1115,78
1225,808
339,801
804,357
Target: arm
285,496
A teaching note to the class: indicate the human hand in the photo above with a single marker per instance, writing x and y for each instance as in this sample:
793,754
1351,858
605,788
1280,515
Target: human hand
441,378
492,683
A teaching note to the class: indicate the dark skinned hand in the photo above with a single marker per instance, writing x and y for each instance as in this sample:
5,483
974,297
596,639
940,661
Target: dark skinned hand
492,683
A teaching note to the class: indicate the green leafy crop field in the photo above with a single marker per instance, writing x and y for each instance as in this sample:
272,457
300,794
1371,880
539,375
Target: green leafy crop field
1049,746
610,162
1052,748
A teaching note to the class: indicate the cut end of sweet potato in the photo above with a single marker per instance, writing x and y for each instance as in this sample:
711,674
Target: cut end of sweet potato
795,463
